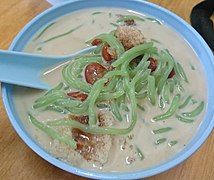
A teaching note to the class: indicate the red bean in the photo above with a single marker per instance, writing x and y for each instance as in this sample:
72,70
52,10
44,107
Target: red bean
78,95
107,57
93,72
95,42
153,64
171,74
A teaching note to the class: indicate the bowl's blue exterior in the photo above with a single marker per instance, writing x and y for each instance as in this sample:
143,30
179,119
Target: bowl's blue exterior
179,25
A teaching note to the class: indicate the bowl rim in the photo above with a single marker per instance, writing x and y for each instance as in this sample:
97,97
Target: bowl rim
7,90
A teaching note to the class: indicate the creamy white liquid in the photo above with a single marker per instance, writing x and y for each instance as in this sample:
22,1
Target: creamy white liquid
121,158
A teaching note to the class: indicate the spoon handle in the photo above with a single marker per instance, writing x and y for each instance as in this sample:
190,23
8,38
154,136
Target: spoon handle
25,69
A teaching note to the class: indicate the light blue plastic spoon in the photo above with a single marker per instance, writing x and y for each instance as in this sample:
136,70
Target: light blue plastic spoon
25,69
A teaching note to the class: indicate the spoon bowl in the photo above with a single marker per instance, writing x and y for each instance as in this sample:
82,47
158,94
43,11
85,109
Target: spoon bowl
25,69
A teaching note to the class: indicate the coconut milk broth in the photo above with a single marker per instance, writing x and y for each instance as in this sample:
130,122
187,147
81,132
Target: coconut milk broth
121,158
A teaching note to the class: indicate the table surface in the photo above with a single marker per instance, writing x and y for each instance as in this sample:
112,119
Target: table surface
18,161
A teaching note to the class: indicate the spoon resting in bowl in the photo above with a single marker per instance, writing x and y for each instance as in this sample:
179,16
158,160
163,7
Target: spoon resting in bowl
25,69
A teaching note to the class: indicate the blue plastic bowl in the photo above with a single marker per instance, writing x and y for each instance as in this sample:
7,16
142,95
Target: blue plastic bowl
185,30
